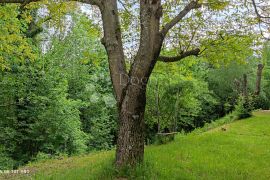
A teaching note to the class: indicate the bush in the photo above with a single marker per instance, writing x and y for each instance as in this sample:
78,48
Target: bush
164,138
6,163
261,102
244,107
42,156
216,123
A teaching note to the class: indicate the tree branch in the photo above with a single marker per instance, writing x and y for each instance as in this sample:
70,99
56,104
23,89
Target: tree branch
18,1
194,52
112,41
192,5
125,8
92,2
257,12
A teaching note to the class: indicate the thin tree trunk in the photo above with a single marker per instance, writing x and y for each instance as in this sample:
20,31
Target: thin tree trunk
157,105
176,107
259,79
245,89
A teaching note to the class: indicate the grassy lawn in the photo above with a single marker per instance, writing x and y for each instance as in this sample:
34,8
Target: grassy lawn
239,150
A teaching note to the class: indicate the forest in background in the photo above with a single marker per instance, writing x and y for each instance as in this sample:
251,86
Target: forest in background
61,102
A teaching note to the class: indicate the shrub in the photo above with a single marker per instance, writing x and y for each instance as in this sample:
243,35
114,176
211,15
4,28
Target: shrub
261,102
244,107
164,138
42,156
6,163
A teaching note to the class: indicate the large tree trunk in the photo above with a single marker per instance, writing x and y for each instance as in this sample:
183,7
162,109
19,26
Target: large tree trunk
130,88
130,143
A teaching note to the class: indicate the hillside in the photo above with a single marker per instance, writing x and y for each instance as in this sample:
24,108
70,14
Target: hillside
239,150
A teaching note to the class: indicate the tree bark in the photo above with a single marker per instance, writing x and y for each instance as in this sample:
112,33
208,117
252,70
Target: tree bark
259,79
245,88
157,106
113,44
130,143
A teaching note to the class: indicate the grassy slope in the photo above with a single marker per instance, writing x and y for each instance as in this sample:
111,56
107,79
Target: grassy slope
242,151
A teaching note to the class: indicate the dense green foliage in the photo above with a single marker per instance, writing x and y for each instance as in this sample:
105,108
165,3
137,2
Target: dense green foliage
60,103
179,97
263,100
15,46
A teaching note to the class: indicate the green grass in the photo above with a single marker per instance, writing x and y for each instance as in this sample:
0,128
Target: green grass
238,150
